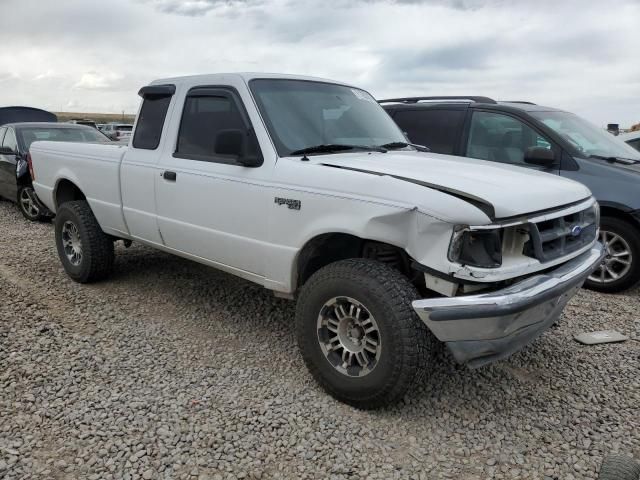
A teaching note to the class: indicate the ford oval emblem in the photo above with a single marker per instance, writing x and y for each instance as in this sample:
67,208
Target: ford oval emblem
576,230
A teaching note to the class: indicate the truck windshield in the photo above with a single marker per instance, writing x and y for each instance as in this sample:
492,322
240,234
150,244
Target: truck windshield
589,139
301,115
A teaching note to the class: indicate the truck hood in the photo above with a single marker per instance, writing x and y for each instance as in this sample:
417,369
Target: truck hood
501,191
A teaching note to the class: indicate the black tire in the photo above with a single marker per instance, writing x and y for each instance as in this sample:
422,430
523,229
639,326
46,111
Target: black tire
406,344
29,205
97,255
619,467
631,235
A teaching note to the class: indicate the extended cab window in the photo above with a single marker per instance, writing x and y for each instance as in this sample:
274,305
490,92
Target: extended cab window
214,128
501,138
435,128
150,122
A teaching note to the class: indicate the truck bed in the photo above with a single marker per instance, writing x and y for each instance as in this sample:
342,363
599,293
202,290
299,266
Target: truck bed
94,168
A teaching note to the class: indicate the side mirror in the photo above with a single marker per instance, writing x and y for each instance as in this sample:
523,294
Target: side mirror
7,151
234,142
543,157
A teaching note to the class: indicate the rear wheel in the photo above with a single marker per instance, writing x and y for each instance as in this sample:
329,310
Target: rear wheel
358,333
29,205
85,251
620,268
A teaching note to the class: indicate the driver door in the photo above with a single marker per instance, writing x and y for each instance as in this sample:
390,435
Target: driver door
208,204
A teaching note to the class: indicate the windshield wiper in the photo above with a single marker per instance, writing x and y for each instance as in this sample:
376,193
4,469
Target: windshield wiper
336,147
612,159
394,145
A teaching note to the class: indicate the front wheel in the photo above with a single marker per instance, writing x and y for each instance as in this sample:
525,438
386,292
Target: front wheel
85,251
29,205
358,333
620,268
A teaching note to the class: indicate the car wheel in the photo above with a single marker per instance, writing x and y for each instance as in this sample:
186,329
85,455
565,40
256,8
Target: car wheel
358,333
29,204
619,467
620,268
85,251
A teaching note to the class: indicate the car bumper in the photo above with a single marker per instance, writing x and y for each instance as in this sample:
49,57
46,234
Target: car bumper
481,329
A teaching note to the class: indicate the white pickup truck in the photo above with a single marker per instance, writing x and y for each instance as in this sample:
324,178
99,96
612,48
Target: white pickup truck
308,188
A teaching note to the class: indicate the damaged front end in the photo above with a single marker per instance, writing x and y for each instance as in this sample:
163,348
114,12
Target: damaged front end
481,329
521,274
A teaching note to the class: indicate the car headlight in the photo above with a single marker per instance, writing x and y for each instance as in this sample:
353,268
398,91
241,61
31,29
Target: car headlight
477,248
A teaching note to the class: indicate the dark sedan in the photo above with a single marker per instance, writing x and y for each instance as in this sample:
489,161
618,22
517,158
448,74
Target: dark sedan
15,140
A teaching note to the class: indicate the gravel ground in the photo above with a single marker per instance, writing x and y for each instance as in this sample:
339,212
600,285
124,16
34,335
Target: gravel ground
175,370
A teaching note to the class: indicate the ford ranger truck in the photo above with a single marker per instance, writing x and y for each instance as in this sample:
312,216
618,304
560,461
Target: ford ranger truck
307,187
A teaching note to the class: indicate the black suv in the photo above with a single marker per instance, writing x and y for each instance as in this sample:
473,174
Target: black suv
547,139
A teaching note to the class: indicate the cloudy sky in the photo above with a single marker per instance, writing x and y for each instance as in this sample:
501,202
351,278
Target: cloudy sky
93,55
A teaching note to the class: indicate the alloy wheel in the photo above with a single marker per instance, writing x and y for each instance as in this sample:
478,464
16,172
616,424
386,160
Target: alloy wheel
71,243
349,336
617,261
28,202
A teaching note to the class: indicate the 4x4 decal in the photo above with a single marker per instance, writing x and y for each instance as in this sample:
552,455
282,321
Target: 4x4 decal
289,202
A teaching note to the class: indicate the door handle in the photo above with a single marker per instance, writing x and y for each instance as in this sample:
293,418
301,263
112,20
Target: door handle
169,175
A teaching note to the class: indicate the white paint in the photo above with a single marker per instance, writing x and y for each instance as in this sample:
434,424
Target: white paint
225,215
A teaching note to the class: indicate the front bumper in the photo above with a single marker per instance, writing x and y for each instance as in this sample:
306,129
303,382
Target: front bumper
481,329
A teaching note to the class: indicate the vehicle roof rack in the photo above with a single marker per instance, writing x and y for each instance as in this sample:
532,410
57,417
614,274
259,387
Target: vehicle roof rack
471,98
518,101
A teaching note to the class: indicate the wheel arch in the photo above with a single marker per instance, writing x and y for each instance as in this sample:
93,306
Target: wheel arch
329,247
65,191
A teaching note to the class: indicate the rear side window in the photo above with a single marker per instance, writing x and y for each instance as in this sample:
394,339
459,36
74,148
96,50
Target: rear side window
435,128
150,122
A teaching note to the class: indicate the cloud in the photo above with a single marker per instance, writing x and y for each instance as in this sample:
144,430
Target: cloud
194,8
575,55
98,81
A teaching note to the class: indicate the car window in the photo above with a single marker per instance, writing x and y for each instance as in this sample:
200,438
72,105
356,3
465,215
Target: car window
207,121
437,129
80,134
150,122
501,138
2,131
10,140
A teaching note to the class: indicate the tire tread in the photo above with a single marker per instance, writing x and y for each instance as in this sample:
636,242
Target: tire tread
417,342
98,252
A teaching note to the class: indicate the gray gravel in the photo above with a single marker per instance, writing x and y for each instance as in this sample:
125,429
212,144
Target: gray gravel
174,370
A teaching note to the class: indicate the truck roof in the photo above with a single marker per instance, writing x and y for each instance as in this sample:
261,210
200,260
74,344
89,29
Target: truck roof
246,76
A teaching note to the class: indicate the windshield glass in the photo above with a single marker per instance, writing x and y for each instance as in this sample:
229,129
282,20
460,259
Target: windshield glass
57,134
586,137
300,114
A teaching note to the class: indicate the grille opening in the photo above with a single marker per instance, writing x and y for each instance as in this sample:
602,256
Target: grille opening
557,237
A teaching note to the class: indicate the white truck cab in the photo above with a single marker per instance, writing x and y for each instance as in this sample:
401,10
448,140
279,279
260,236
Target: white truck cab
307,187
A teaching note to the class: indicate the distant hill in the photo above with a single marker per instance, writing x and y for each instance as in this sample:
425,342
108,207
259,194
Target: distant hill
96,117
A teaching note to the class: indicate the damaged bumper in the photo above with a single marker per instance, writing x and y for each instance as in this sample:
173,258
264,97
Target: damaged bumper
481,329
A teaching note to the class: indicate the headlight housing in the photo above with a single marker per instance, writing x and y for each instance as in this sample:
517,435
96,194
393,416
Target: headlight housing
477,248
